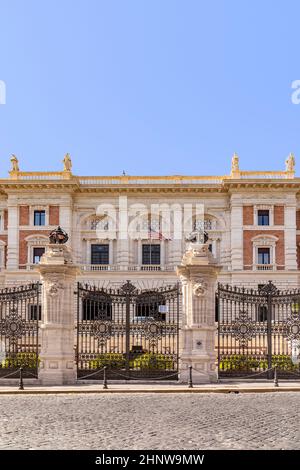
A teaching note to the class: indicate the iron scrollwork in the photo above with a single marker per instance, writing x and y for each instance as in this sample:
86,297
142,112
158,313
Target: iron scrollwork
257,328
126,328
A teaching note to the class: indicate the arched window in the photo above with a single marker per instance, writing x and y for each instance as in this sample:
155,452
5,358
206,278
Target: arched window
147,227
99,223
207,223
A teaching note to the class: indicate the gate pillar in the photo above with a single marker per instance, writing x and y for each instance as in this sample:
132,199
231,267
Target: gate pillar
58,274
198,274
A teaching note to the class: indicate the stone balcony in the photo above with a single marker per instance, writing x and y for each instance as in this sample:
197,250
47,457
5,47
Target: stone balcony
112,267
264,267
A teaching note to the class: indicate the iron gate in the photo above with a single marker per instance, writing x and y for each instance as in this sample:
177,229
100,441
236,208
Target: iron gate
257,330
20,311
133,333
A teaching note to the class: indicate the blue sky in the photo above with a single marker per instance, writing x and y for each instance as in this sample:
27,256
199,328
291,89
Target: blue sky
149,86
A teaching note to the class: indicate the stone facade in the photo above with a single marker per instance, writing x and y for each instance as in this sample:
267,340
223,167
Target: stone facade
248,252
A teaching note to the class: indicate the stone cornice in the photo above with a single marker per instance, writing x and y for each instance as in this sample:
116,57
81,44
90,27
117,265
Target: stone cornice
146,185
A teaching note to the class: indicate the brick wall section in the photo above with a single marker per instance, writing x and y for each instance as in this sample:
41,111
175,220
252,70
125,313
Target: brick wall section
298,220
278,215
298,250
5,219
54,215
248,246
4,239
24,215
248,215
23,243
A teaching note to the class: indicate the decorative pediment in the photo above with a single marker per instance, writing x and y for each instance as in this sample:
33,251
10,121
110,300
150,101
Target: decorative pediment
37,239
265,240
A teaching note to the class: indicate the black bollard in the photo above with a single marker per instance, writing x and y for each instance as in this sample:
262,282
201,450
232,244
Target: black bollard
190,382
21,384
104,378
276,384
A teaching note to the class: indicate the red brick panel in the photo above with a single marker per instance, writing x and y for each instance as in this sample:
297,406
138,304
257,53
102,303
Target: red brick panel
23,243
5,219
278,215
248,245
298,250
248,215
24,215
54,215
298,220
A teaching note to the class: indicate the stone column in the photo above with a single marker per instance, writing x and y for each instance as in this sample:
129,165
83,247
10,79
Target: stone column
12,234
290,244
236,232
198,274
123,242
65,216
58,275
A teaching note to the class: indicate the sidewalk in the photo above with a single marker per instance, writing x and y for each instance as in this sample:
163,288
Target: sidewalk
223,387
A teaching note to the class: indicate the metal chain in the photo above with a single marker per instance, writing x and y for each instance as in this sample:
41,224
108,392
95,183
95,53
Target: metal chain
93,373
139,378
33,375
254,375
12,373
263,372
294,373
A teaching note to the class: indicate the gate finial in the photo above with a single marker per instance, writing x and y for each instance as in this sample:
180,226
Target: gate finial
128,288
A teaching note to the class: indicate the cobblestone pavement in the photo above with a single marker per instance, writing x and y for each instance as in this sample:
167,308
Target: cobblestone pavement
150,421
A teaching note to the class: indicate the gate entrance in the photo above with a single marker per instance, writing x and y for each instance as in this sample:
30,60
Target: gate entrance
133,333
20,311
257,330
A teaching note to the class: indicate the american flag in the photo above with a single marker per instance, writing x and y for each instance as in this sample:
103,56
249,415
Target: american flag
156,235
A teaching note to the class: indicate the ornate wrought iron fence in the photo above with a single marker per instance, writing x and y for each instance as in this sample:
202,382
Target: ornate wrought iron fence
20,311
258,329
134,333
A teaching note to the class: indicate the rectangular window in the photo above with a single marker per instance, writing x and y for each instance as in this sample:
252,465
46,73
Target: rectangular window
263,255
100,254
39,218
35,310
151,254
37,254
263,217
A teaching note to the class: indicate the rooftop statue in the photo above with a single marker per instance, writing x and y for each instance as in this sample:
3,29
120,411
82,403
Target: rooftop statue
290,163
67,162
235,163
14,163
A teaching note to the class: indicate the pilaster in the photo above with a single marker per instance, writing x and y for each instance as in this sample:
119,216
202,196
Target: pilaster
290,244
236,232
12,234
